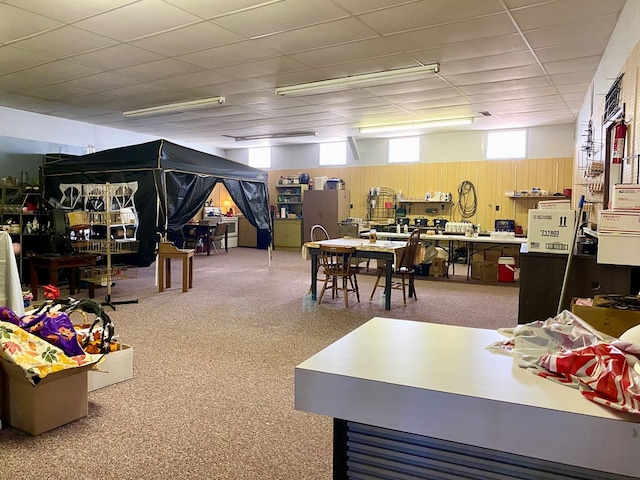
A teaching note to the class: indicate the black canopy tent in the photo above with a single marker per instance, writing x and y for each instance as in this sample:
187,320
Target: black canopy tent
173,184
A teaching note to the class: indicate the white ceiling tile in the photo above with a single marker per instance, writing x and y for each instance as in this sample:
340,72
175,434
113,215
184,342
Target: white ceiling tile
64,41
351,52
229,54
54,92
583,88
514,94
424,95
100,81
569,51
137,20
192,80
137,91
511,4
588,64
66,11
269,67
483,47
574,77
499,75
16,24
323,35
157,69
113,58
519,84
585,30
361,6
464,31
563,12
208,8
280,16
15,59
196,37
436,103
490,62
45,74
409,16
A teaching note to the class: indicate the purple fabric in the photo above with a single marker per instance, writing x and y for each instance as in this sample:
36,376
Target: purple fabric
8,315
56,328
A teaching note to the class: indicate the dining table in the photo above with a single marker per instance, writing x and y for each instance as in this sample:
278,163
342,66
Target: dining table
387,250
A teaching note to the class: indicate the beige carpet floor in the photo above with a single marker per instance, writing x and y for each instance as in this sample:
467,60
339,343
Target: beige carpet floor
213,387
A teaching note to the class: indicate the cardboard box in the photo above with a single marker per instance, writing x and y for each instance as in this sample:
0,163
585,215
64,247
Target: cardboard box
492,255
554,205
437,271
58,399
611,321
512,251
438,262
116,367
618,249
551,231
626,197
484,271
619,221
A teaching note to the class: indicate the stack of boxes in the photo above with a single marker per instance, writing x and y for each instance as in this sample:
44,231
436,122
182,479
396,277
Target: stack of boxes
438,267
619,228
485,263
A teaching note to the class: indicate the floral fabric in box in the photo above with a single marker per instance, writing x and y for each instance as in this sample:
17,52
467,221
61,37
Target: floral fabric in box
37,357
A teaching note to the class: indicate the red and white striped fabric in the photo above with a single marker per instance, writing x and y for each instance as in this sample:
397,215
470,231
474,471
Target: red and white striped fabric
567,350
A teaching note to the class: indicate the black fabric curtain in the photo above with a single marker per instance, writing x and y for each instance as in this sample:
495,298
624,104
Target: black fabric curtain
251,199
186,195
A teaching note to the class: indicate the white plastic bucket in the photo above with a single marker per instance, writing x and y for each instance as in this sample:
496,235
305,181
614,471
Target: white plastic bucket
506,269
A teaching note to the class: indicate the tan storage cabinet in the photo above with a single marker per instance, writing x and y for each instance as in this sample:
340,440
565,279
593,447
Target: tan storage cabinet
287,233
247,233
325,207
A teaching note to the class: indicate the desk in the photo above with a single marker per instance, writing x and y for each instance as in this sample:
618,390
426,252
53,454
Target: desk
197,231
54,263
418,384
385,250
470,241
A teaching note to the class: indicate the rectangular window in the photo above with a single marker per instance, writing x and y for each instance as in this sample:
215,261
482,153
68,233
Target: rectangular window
334,153
510,144
260,157
404,150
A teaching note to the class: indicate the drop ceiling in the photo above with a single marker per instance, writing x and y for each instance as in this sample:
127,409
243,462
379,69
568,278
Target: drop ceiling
527,62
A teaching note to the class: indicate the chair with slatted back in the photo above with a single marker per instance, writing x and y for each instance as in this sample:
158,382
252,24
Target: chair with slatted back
318,233
405,268
219,234
335,263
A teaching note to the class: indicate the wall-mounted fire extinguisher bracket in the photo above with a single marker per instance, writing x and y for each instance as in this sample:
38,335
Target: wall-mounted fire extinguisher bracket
619,136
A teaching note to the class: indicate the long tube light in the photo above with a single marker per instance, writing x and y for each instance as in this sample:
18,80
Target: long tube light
174,107
393,127
401,73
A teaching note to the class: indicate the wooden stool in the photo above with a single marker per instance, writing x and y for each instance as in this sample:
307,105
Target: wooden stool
166,252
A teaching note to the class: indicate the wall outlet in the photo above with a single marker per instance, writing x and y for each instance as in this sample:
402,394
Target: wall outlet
497,208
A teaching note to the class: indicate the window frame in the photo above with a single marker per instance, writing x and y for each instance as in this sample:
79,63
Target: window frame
510,156
255,150
391,141
343,154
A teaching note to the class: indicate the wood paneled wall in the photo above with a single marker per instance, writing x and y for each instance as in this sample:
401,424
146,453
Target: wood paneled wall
490,178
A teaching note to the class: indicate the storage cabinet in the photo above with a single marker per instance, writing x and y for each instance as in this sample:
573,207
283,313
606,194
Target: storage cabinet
247,233
290,197
287,233
22,217
325,207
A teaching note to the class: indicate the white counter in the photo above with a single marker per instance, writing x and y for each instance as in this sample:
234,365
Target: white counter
440,381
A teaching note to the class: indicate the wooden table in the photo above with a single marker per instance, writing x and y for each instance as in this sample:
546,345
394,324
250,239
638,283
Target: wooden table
432,399
205,231
167,251
382,249
54,263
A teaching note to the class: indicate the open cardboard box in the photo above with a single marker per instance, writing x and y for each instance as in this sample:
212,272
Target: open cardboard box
57,399
611,321
116,367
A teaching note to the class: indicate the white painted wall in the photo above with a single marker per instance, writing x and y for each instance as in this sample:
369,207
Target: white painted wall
44,128
626,35
543,142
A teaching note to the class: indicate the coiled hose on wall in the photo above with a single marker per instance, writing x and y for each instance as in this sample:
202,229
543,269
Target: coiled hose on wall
467,200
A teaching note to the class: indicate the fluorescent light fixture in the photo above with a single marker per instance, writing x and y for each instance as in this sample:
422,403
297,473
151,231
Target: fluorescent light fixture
174,107
394,127
267,136
376,77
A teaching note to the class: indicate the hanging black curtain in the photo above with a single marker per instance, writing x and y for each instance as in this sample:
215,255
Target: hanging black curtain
251,199
186,195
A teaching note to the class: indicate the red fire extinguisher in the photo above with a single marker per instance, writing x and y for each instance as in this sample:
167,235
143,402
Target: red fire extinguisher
619,135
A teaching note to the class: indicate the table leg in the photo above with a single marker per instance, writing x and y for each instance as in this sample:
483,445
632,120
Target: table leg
168,272
208,236
469,257
191,272
387,285
314,276
185,274
73,272
53,276
161,267
34,282
226,240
